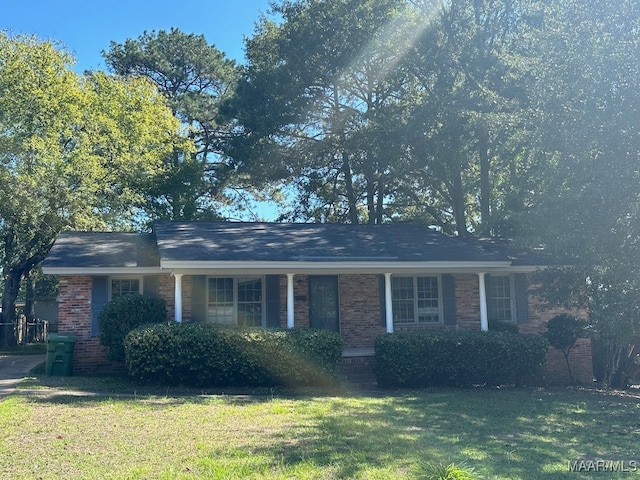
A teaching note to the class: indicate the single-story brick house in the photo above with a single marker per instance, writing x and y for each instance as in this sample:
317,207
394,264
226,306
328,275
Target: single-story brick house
360,280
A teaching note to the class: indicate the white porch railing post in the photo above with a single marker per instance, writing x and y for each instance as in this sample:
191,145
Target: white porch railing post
388,299
482,291
178,297
290,301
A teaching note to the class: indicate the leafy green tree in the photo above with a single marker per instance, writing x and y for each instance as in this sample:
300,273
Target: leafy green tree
586,106
563,331
321,104
389,109
73,151
196,78
462,128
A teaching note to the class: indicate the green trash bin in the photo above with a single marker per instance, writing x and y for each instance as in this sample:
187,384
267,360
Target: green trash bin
60,354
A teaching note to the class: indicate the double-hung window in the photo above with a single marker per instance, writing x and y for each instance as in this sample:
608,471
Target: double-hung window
236,301
125,286
416,300
500,298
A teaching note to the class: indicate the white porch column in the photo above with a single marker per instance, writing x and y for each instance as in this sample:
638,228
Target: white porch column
388,305
484,321
290,301
178,297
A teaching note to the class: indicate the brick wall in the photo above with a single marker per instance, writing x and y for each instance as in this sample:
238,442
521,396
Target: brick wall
301,300
166,291
467,302
581,356
75,317
556,372
361,322
360,317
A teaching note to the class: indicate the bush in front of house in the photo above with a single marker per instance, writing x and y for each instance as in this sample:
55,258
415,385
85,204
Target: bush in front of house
501,326
563,332
207,355
123,314
458,358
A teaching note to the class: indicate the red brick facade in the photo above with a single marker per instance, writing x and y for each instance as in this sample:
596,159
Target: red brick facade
360,317
74,316
467,302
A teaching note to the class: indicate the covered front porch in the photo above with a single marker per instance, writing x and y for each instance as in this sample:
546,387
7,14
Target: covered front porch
358,304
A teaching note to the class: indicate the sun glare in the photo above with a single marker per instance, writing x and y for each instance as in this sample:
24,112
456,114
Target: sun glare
393,41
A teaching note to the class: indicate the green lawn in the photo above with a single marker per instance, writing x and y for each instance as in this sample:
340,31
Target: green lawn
522,433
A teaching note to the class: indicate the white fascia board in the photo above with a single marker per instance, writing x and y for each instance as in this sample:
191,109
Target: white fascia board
69,271
306,267
257,268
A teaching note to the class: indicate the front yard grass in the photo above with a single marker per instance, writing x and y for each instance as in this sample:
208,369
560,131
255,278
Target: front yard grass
47,432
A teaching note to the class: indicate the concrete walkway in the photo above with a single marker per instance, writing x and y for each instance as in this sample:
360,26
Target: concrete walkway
13,368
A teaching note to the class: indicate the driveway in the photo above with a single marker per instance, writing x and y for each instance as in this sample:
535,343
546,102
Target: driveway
13,368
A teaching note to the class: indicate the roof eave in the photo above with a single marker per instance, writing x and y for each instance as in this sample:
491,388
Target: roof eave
335,267
68,271
266,267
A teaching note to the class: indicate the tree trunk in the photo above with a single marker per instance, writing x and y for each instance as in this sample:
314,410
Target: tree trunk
485,188
619,361
8,315
566,359
351,197
371,207
39,245
380,203
457,195
29,298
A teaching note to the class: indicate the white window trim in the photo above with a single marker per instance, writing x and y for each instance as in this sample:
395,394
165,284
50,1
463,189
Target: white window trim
263,320
512,297
140,279
415,322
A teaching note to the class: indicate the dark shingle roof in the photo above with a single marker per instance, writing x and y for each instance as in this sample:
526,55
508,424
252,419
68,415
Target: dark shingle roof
275,242
281,242
103,249
519,255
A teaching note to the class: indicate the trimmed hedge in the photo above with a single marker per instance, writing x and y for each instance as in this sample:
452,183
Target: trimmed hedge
458,358
497,326
123,314
207,355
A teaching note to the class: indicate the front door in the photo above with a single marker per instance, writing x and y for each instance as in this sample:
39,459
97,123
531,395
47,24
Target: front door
323,302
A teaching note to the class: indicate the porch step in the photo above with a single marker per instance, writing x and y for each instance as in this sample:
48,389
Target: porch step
358,373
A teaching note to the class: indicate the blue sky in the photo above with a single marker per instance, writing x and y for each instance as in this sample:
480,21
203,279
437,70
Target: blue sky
86,27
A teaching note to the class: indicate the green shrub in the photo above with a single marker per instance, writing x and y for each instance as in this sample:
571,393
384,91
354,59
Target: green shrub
501,326
211,355
563,331
123,314
458,358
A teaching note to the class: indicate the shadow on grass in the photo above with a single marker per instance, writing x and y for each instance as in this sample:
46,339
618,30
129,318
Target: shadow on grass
509,433
41,388
528,434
